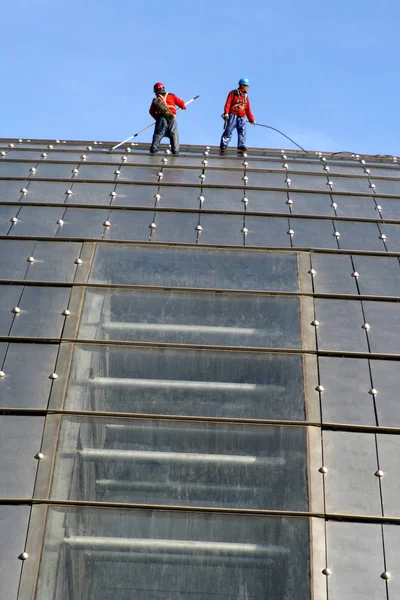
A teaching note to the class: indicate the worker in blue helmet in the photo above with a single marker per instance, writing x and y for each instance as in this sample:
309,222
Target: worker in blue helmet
237,108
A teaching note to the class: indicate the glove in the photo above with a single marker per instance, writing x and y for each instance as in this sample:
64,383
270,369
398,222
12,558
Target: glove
225,117
253,123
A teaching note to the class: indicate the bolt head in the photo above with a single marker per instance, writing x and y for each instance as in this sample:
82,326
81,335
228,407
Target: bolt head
89,148
245,163
3,153
205,162
107,224
366,326
245,230
32,170
373,392
206,153
43,155
75,171
168,151
323,470
315,323
208,147
245,200
30,259
152,225
113,194
334,205
378,207
336,234
157,197
124,158
14,220
386,575
23,556
202,176
290,202
355,274
160,175
327,572
330,183
54,376
201,198
199,228
66,313
382,236
16,310
60,222
39,456
312,272
83,156
117,172
379,473
128,149
320,388
285,166
68,192
2,374
11,145
164,160
288,180
290,232
78,261
372,185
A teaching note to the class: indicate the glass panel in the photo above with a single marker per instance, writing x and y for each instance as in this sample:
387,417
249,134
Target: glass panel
267,231
189,318
339,169
390,207
180,197
135,195
41,312
189,382
350,484
333,274
379,171
188,464
6,214
3,349
346,383
222,230
355,557
16,169
56,170
258,179
90,193
392,556
27,369
183,176
392,232
350,184
37,221
224,177
54,261
312,233
175,227
20,440
46,191
10,191
265,201
129,225
379,275
164,555
385,381
311,204
9,297
387,187
218,198
140,173
383,317
13,258
359,236
83,223
355,206
309,182
388,452
194,267
340,325
13,527
87,171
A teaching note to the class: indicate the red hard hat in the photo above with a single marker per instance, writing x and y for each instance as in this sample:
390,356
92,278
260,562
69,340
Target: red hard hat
158,86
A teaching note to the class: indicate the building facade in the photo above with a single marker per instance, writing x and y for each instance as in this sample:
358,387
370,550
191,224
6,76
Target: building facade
199,365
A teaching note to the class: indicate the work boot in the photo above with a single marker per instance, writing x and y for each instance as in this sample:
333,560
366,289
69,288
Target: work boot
241,150
222,151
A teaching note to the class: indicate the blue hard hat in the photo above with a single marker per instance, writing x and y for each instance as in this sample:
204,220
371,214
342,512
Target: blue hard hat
244,81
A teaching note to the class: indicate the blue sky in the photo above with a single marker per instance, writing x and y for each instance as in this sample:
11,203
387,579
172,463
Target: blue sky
325,73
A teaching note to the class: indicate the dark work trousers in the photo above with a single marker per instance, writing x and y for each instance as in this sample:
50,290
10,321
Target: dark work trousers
167,129
231,123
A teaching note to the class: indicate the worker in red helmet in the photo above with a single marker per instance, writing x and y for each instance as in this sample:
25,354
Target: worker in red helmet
163,110
237,108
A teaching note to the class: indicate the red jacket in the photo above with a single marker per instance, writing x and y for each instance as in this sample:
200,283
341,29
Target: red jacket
238,103
172,101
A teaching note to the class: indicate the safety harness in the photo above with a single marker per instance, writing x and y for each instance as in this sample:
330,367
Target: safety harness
161,104
240,102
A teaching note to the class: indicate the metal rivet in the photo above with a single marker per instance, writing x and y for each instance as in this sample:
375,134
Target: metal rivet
60,222
245,200
357,156
323,470
244,154
288,181
379,473
326,168
117,172
373,392
164,160
315,323
199,228
83,156
54,376
327,572
285,166
95,143
330,183
323,158
113,194
39,456
208,147
378,207
128,149
75,171
68,192
334,205
11,145
50,146
205,162
16,310
372,185
2,374
202,176
43,155
32,170
66,313
245,178
157,197
3,153
30,259
20,141
23,556
160,175
290,202
382,236
394,159
355,274
58,142
245,163
124,158
336,234
312,272
206,153
367,171
14,220
290,232
152,225
168,151
245,230
201,198
107,224
320,388
89,148
386,575
366,326
78,261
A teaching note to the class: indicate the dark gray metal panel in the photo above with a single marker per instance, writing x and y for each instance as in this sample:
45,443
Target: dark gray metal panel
83,223
9,297
37,221
355,557
136,195
16,169
219,199
359,236
189,464
27,369
388,452
174,227
46,191
390,207
179,197
189,318
54,261
41,312
351,486
355,206
20,440
350,184
56,170
6,214
385,381
392,239
263,179
182,176
379,275
3,349
222,230
220,555
13,527
387,187
267,231
384,319
345,398
265,201
90,193
333,274
13,258
195,267
150,174
222,177
340,325
312,233
11,190
310,204
87,171
392,555
129,225
189,382
309,182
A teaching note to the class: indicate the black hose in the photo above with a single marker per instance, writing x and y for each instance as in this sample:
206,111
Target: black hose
286,136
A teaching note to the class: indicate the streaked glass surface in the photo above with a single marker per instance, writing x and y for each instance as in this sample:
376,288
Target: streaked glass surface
9,298
340,325
37,221
54,261
186,382
190,318
13,258
13,527
333,274
41,311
